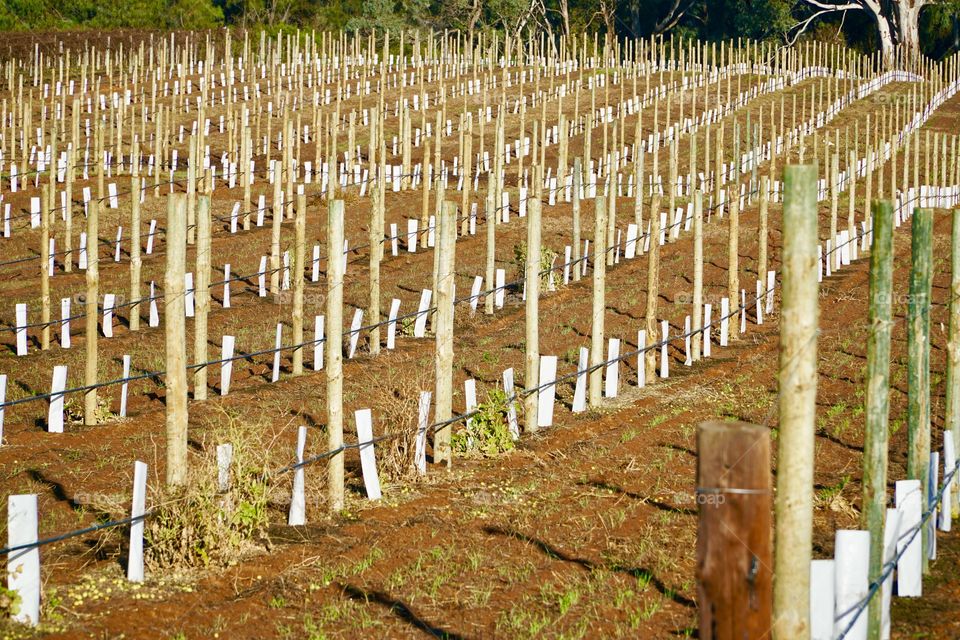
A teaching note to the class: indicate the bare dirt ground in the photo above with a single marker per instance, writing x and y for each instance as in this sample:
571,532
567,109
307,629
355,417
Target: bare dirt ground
587,529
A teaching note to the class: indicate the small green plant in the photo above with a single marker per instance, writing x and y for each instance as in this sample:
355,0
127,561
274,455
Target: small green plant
547,257
487,433
9,602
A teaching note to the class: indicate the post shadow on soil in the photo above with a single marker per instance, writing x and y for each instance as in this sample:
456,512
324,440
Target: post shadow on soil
555,554
400,610
657,504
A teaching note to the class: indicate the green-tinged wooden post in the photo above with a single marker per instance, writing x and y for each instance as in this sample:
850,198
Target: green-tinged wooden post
878,403
92,311
797,399
334,349
918,358
202,297
952,418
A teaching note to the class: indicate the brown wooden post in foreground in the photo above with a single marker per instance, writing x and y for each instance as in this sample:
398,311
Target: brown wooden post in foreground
176,339
734,551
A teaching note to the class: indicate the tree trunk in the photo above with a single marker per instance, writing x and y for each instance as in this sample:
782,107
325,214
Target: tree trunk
908,27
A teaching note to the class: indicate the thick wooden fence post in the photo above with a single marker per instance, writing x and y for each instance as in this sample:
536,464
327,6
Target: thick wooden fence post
918,358
135,260
952,401
599,300
334,347
733,536
202,297
92,312
447,238
299,259
45,199
878,404
653,287
531,276
176,339
797,399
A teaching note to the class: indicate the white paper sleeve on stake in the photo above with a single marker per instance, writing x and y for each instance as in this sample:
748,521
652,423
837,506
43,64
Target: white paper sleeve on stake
759,302
234,214
65,323
82,252
500,284
262,277
724,321
34,212
154,317
548,391
932,489
822,599
368,458
909,567
852,563
21,323
226,286
949,463
423,422
226,367
224,460
470,398
285,282
664,360
611,383
355,332
891,533
412,235
116,246
475,293
23,567
55,412
420,324
687,357
580,391
137,510
394,239
511,403
108,301
3,398
567,257
150,236
188,297
630,251
431,231
392,323
298,502
125,386
771,283
276,353
742,311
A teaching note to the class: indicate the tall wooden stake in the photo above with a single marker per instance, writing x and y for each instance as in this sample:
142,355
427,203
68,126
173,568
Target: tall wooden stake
176,339
334,348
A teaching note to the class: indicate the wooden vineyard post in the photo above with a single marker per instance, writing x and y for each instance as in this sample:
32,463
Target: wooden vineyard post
531,276
733,261
443,360
91,312
653,281
202,297
952,401
734,530
599,300
277,221
176,339
797,399
577,181
697,315
762,259
376,255
334,348
491,222
136,261
299,259
878,404
918,357
44,267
